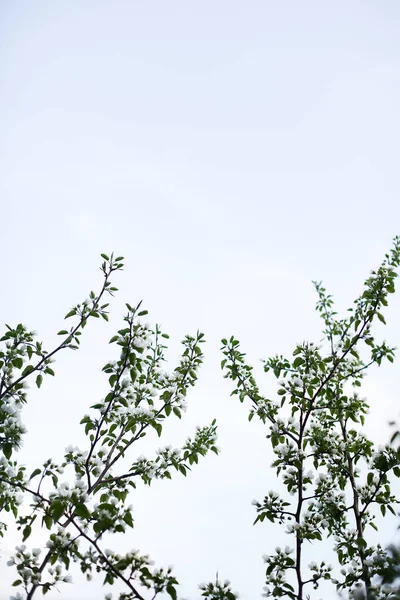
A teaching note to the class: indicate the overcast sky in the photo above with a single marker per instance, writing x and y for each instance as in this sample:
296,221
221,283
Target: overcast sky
232,152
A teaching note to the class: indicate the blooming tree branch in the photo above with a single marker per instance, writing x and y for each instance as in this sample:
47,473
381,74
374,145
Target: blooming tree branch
84,497
334,476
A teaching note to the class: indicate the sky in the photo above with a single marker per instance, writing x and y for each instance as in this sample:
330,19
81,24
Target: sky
232,152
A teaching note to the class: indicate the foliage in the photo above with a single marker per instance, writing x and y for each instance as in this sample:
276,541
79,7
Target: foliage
87,492
334,476
389,576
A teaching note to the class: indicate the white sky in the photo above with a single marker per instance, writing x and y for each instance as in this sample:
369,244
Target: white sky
232,152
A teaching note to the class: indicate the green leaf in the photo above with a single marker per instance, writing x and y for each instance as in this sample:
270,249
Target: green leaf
128,519
35,473
28,369
177,412
39,380
63,332
57,509
108,579
104,256
26,533
171,591
298,362
82,511
70,314
361,543
17,362
88,427
7,449
48,521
